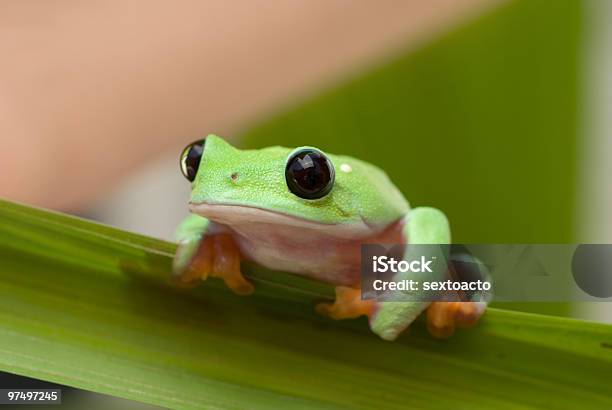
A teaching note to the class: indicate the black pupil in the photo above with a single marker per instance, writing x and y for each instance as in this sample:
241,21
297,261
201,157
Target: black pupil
309,174
191,159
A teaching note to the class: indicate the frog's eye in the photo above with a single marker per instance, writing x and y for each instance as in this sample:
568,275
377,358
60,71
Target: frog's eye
309,174
190,159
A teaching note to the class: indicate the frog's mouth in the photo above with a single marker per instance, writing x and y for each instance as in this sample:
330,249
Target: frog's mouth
233,214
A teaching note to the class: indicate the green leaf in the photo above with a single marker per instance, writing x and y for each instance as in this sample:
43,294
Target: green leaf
89,306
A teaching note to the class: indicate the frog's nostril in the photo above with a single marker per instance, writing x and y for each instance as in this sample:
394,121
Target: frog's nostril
234,176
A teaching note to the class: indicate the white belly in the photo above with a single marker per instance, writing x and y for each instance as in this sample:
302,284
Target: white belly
326,252
302,251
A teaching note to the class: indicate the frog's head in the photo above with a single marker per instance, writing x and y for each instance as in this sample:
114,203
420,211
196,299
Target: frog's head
279,185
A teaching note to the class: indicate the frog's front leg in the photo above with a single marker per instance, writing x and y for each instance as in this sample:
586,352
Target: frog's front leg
425,226
201,253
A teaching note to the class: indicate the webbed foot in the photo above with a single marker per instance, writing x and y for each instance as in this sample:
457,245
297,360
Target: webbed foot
348,305
215,256
226,265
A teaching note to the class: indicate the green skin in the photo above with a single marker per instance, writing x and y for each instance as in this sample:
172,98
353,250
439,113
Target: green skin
362,203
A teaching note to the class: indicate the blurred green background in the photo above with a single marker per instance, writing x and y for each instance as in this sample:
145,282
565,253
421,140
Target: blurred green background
482,123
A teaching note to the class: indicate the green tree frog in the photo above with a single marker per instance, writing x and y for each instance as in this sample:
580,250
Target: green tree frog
308,213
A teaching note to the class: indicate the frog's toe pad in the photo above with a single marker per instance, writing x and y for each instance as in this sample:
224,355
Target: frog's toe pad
444,317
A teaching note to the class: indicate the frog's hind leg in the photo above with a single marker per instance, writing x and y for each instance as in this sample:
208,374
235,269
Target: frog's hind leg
426,226
459,309
348,305
421,226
